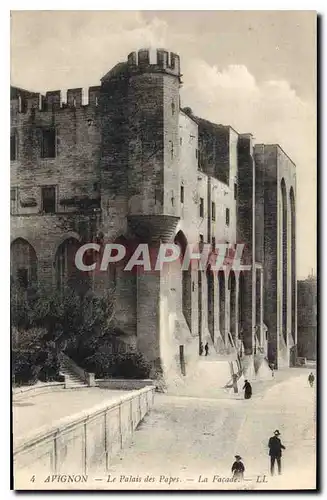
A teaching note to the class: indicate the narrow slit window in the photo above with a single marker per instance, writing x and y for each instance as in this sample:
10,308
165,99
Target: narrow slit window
213,211
201,207
13,147
227,216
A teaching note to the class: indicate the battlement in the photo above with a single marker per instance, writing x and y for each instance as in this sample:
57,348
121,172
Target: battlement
155,61
24,101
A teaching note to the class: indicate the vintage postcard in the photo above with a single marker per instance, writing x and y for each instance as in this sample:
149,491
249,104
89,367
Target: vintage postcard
163,250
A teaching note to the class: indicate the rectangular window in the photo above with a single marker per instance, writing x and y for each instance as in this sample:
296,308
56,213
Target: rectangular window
49,200
201,207
48,145
13,201
13,147
235,191
196,153
182,194
22,277
213,211
227,216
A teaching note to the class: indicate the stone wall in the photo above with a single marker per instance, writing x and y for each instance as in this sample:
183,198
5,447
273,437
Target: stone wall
82,443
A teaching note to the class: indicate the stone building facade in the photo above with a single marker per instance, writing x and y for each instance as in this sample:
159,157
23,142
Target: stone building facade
133,165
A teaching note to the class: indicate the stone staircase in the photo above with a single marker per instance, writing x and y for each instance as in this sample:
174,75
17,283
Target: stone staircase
72,379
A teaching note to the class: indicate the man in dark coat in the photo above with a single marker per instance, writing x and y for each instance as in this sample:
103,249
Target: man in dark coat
247,390
238,468
206,348
275,452
311,379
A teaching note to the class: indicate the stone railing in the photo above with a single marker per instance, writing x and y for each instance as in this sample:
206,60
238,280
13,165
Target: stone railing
38,388
124,384
82,443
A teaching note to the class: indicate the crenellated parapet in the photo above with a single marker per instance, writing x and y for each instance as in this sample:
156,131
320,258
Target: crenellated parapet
145,61
24,101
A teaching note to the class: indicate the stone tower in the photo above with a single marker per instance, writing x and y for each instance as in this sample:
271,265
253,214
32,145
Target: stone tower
153,182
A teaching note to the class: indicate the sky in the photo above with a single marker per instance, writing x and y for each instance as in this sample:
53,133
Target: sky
253,70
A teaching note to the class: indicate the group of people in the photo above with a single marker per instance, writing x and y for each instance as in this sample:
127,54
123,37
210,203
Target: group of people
275,447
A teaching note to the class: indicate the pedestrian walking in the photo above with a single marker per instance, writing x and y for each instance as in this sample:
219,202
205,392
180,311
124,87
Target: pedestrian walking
206,348
238,468
275,452
201,349
247,388
311,379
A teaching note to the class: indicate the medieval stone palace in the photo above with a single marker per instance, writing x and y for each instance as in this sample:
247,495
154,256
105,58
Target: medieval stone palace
133,164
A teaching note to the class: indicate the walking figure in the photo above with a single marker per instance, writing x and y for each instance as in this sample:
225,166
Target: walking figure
247,388
201,349
238,468
206,348
275,452
311,379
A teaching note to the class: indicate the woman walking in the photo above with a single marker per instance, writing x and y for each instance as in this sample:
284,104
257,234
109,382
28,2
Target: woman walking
247,390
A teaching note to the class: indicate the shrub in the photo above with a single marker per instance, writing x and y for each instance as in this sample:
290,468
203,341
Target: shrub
25,368
33,357
129,365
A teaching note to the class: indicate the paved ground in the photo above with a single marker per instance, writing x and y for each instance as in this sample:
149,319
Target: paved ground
185,440
33,411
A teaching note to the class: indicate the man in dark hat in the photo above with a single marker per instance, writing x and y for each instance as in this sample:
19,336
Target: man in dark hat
238,468
275,452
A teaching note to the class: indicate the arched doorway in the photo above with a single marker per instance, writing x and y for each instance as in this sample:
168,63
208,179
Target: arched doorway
222,304
67,273
284,259
293,263
23,264
241,307
181,241
211,302
232,291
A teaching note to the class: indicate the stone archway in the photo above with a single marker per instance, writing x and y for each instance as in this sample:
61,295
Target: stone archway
23,263
284,260
181,240
233,305
293,264
211,302
67,273
222,304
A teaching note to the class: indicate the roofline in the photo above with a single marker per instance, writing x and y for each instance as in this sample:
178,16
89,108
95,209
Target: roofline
278,147
188,116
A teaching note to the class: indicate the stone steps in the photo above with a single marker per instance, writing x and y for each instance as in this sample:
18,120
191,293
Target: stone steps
72,380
